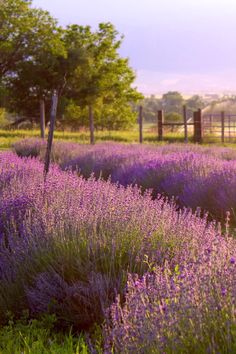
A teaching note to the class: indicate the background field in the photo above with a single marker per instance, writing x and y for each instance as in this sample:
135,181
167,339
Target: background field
8,137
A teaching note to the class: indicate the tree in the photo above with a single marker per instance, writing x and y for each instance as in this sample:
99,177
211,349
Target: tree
105,79
193,104
150,107
84,67
14,25
112,117
173,117
25,32
32,45
172,101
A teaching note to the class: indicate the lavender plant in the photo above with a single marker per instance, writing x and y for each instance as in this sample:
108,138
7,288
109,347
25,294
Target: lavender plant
195,176
190,309
89,250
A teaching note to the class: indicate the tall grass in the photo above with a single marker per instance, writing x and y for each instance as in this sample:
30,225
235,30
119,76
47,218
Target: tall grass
39,337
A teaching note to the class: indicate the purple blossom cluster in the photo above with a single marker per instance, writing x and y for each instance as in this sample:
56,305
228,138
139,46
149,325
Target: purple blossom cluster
88,250
188,309
196,176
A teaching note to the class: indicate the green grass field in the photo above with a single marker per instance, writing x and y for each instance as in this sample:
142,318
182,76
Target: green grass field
8,137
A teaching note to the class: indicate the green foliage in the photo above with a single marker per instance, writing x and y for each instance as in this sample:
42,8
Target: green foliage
173,117
172,101
38,337
150,107
194,103
25,32
104,78
114,116
3,118
75,116
29,72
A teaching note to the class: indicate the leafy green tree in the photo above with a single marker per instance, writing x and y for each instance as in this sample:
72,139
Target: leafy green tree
150,107
30,72
173,117
37,57
105,79
193,104
172,101
25,32
112,117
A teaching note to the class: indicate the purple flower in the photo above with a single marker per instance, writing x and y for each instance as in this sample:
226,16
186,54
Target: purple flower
223,291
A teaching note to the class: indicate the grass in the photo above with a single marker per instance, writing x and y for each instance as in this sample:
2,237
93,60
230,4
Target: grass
38,337
9,137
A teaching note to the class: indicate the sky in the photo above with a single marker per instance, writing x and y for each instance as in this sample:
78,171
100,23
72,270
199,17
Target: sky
183,45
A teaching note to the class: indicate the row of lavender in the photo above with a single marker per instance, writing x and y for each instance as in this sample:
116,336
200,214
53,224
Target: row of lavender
86,250
195,176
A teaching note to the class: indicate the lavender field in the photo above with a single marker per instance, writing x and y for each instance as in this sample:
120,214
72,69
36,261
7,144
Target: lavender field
196,177
154,277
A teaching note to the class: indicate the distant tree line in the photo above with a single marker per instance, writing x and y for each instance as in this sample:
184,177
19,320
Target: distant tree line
37,56
172,103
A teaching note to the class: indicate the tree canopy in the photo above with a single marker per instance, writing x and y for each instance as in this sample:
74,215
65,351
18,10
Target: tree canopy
25,33
172,101
37,56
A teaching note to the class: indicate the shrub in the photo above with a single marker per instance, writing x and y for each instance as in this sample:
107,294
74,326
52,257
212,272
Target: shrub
80,239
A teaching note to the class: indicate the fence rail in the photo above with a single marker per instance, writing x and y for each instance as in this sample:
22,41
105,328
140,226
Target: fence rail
218,125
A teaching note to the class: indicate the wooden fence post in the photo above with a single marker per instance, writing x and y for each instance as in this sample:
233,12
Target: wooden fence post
197,117
160,125
42,118
222,126
185,124
51,131
91,125
195,126
200,125
211,123
140,121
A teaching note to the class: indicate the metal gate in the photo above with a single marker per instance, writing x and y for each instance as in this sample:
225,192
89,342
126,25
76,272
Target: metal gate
219,125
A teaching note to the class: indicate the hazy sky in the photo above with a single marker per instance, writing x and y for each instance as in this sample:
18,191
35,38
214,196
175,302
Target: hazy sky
186,45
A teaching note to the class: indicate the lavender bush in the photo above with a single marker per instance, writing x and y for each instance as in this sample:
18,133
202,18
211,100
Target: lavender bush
195,176
190,309
72,234
29,147
89,250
